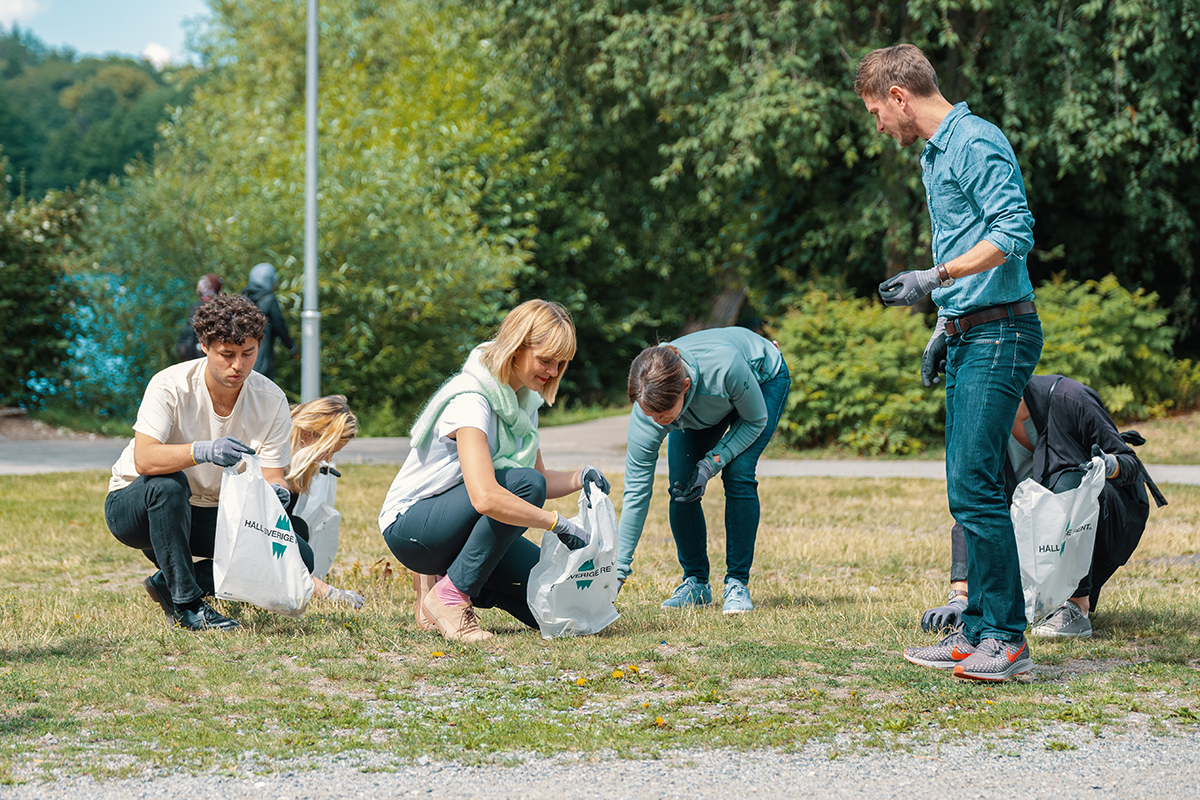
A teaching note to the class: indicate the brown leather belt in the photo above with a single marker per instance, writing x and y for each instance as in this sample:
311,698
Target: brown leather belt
963,324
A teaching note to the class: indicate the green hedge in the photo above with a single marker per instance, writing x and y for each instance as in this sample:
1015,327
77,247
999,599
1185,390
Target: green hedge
855,364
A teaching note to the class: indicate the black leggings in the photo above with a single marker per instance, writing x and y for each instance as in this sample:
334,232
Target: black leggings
488,561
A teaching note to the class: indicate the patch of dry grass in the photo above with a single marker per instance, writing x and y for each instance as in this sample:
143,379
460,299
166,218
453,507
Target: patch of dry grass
93,681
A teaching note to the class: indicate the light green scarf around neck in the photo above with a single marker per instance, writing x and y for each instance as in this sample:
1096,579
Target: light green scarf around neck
513,410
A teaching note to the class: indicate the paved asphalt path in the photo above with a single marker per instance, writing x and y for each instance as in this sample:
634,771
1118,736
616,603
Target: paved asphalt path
1128,764
600,442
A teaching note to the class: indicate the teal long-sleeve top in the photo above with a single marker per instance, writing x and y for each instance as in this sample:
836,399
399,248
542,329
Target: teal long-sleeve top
726,367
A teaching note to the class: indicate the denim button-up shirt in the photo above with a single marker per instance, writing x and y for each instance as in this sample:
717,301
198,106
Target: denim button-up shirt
974,189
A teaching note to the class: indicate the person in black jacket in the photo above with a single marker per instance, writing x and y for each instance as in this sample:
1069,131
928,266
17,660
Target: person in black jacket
187,345
1060,425
261,290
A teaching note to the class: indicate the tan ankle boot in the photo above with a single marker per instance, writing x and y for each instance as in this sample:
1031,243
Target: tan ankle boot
456,623
422,585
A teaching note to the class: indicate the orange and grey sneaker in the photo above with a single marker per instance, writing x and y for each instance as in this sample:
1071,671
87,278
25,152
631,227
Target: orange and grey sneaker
947,654
994,660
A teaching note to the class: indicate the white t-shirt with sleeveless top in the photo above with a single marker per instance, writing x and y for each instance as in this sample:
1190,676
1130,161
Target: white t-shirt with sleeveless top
177,409
435,468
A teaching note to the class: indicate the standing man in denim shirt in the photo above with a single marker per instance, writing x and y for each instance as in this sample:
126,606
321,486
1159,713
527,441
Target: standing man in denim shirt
988,337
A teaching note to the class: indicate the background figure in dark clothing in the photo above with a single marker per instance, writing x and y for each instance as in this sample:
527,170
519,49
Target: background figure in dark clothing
187,346
261,291
1060,424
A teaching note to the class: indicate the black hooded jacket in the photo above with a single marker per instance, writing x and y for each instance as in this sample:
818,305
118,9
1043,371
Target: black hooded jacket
1070,418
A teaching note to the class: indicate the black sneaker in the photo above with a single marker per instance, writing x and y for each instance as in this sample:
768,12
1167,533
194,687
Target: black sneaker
156,587
203,618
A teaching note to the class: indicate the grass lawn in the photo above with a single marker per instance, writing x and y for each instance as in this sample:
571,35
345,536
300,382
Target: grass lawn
93,682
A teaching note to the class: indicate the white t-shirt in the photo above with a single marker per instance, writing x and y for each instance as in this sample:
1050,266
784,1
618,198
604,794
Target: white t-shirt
177,409
434,468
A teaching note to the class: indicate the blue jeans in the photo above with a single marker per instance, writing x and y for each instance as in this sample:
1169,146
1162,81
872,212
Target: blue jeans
986,371
685,448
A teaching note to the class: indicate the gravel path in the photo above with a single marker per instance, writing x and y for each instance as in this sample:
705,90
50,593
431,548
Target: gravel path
1115,765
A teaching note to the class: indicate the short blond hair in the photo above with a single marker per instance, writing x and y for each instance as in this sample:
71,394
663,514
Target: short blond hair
902,65
322,423
543,326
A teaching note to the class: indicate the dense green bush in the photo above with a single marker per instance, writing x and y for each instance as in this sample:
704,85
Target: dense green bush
1115,341
855,377
855,365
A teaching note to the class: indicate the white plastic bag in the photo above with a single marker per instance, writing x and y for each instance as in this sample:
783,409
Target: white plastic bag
571,592
255,558
324,521
1055,537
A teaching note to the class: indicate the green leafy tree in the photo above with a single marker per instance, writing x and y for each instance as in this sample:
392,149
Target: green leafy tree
418,127
752,101
37,298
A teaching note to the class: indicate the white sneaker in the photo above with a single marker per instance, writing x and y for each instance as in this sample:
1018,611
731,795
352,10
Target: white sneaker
1067,622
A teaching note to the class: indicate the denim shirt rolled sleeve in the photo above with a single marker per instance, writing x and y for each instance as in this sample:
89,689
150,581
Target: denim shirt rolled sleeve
975,193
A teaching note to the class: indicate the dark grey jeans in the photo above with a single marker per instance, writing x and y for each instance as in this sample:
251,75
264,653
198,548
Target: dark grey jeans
487,560
153,514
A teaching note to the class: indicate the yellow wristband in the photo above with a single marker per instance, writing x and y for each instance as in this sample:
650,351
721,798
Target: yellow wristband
555,523
192,453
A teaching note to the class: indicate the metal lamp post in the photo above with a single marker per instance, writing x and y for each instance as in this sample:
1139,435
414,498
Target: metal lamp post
310,319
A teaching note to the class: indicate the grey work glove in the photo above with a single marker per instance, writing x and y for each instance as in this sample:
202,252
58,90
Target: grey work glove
224,452
282,493
694,489
352,599
590,476
1111,465
944,617
570,534
933,363
907,288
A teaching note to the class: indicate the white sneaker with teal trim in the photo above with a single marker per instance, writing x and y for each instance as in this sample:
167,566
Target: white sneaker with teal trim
737,597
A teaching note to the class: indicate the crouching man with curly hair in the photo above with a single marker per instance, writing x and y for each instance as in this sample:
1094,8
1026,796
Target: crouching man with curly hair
195,418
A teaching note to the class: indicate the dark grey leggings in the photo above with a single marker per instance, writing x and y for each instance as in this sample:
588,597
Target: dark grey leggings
487,560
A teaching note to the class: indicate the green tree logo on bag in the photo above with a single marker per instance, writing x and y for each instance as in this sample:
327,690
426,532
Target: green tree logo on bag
279,548
587,573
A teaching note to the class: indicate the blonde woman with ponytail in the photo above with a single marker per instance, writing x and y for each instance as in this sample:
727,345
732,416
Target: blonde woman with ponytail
320,429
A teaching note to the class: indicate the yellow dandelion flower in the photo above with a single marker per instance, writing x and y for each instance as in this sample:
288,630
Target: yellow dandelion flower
633,668
437,654
660,722
989,702
581,681
645,705
618,674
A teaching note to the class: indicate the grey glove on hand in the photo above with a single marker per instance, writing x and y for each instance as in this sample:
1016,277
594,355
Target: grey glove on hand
909,287
943,617
282,493
694,490
352,599
224,452
570,534
1111,465
590,476
933,363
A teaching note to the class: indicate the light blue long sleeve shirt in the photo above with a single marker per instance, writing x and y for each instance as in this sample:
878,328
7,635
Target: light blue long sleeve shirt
975,192
726,367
